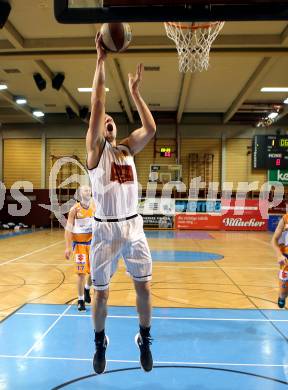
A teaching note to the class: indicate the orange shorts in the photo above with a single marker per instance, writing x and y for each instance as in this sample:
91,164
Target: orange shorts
81,256
283,273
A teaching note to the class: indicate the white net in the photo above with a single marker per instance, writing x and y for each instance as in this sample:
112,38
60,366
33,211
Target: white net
193,43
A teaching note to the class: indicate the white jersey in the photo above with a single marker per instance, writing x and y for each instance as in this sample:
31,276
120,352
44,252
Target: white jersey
114,183
82,229
82,225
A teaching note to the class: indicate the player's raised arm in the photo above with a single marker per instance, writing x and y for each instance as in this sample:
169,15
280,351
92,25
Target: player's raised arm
95,137
140,137
275,241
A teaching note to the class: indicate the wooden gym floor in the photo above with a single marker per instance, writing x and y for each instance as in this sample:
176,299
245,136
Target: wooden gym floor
34,270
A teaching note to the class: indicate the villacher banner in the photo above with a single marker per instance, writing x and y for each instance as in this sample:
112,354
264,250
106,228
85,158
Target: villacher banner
246,217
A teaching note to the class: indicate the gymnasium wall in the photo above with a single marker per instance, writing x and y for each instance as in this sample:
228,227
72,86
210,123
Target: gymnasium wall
63,147
200,146
23,146
22,161
239,164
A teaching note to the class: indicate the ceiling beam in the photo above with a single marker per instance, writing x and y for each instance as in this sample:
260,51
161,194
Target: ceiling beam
155,41
256,76
114,69
18,42
48,73
26,110
282,114
83,54
59,43
13,35
6,45
184,89
284,36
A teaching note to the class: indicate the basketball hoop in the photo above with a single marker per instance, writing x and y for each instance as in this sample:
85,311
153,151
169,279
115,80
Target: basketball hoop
193,43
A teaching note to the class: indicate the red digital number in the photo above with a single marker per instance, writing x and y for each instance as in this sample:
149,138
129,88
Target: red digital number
278,162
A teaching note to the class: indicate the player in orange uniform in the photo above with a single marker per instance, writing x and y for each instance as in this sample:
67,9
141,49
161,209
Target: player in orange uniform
78,235
280,245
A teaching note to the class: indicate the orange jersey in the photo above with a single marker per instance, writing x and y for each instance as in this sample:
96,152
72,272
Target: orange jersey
283,240
82,229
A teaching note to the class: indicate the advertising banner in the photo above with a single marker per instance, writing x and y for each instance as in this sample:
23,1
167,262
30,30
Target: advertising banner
246,216
278,175
198,221
158,221
198,206
281,208
151,206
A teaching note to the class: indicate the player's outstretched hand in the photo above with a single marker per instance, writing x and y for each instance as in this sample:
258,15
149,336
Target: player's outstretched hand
101,52
135,80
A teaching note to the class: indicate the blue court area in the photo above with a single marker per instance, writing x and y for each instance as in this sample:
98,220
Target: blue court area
184,256
12,233
181,256
189,235
51,347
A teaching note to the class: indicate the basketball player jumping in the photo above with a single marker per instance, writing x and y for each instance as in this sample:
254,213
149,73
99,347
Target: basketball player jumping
117,228
280,245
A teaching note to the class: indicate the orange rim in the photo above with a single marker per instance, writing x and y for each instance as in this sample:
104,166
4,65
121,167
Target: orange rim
187,27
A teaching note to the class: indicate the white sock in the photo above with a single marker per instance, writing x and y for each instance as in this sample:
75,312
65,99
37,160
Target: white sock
87,287
81,298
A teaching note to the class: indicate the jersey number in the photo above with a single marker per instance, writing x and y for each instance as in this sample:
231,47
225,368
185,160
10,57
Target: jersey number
121,173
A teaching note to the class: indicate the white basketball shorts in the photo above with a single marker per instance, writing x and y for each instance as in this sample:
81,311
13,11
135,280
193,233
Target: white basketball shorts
110,241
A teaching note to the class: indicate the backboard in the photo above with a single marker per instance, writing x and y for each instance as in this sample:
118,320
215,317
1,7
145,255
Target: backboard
89,11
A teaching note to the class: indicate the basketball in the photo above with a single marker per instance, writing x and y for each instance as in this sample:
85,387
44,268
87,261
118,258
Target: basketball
116,37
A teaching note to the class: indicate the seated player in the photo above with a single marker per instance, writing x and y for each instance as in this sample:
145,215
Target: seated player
280,245
78,235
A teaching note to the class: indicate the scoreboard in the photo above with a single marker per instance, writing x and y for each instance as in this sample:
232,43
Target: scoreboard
165,152
270,152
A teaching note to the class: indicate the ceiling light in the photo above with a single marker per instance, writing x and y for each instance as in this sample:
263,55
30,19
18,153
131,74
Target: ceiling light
3,86
286,101
273,115
38,114
20,100
274,89
90,89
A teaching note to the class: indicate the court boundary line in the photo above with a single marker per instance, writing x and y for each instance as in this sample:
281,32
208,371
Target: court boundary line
30,253
47,331
137,361
153,317
12,313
